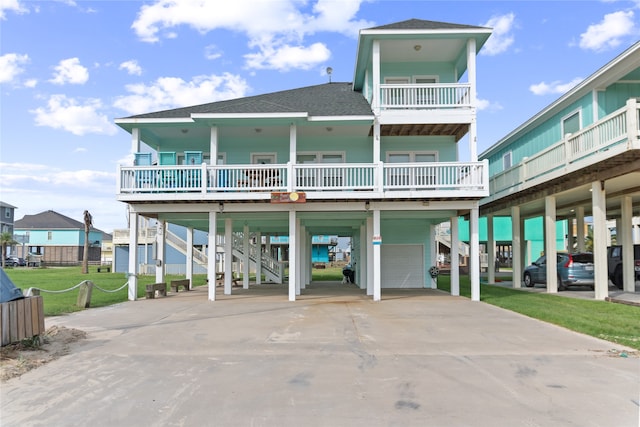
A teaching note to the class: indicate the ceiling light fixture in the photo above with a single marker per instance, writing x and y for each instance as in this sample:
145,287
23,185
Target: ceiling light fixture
417,47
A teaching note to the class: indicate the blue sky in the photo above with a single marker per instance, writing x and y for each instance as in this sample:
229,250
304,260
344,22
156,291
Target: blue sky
69,68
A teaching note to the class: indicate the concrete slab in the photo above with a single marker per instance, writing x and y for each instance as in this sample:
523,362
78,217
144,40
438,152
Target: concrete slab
332,358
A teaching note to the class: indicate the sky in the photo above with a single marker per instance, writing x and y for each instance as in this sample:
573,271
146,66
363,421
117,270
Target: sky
69,68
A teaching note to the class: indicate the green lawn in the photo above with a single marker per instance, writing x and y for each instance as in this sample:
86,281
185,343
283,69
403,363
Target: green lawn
613,322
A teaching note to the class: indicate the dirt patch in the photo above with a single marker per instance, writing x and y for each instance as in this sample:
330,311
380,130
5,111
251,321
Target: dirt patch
21,357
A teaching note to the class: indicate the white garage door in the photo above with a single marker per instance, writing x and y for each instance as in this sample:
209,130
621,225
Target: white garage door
402,266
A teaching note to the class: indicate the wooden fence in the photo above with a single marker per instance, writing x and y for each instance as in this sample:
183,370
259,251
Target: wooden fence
21,319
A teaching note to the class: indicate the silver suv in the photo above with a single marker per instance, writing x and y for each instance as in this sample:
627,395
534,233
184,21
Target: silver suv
573,270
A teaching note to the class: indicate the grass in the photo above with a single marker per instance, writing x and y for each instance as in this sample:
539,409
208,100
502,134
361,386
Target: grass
617,323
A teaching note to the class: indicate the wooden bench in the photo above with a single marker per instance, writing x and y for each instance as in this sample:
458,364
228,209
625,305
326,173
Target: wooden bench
220,279
175,284
161,288
106,268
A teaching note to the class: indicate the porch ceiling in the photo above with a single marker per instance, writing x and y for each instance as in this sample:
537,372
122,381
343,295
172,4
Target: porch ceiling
420,129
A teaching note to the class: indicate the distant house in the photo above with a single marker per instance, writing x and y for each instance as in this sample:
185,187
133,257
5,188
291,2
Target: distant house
7,212
58,239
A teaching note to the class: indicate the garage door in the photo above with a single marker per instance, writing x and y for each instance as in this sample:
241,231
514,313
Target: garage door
402,266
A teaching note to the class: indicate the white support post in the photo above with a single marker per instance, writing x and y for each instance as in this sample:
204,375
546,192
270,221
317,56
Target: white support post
133,256
304,258
211,256
471,73
362,268
377,270
370,266
580,234
293,267
474,252
550,243
600,232
189,269
135,140
246,261
491,251
625,239
375,61
228,255
298,256
433,258
516,247
455,256
259,258
160,255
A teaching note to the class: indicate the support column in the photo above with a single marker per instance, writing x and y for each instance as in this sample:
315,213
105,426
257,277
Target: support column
362,280
189,269
135,140
228,255
455,256
516,247
370,266
580,236
304,261
246,261
625,239
259,258
293,267
491,251
375,62
211,256
600,232
471,73
474,255
433,259
550,244
213,145
133,256
298,257
377,270
160,255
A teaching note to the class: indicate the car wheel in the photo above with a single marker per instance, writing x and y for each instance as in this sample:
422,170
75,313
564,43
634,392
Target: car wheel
617,278
528,280
561,286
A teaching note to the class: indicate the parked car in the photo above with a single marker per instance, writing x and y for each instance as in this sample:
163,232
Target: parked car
12,261
614,264
573,270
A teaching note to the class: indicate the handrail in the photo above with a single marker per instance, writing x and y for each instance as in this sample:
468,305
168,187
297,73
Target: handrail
427,95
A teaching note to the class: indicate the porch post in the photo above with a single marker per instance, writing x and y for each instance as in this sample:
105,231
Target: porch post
304,266
375,61
133,256
377,270
628,274
516,247
433,259
369,246
298,256
293,268
600,232
491,251
258,258
213,146
474,252
228,255
471,73
362,268
246,261
160,256
212,250
455,257
580,229
189,269
550,243
135,140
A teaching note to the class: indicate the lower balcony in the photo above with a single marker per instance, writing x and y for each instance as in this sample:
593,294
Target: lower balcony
467,180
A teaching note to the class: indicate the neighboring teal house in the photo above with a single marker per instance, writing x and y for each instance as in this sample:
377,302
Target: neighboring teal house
57,239
579,157
375,159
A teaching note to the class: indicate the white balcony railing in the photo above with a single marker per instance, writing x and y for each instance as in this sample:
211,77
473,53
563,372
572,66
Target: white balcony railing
222,181
421,96
594,143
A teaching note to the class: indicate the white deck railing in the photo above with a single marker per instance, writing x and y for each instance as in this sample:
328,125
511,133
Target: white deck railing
575,151
419,96
337,177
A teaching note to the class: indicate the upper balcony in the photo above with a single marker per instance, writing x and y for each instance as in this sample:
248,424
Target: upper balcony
343,181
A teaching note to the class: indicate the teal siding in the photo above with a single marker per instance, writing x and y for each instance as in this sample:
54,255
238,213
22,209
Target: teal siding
445,72
445,146
58,237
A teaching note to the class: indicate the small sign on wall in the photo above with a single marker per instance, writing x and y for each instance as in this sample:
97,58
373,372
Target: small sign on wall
295,197
377,240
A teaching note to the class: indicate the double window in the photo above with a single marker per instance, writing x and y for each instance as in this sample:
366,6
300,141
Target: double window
413,176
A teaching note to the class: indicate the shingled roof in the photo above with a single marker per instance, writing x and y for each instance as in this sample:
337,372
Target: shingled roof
329,99
420,24
48,220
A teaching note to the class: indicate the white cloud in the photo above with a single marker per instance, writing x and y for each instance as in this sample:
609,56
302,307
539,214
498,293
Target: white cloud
13,6
502,36
11,66
287,57
73,116
70,71
555,87
36,188
608,33
173,92
486,105
276,28
212,52
131,67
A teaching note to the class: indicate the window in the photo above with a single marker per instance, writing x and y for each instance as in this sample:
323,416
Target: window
49,235
263,158
413,176
426,95
7,213
506,161
571,123
327,177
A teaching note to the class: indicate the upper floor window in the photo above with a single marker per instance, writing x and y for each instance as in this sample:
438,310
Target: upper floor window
506,161
320,158
49,235
7,213
571,123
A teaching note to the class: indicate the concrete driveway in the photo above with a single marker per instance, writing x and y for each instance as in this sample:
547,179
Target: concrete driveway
332,358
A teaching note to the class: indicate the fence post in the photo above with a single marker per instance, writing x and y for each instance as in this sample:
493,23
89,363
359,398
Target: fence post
84,294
